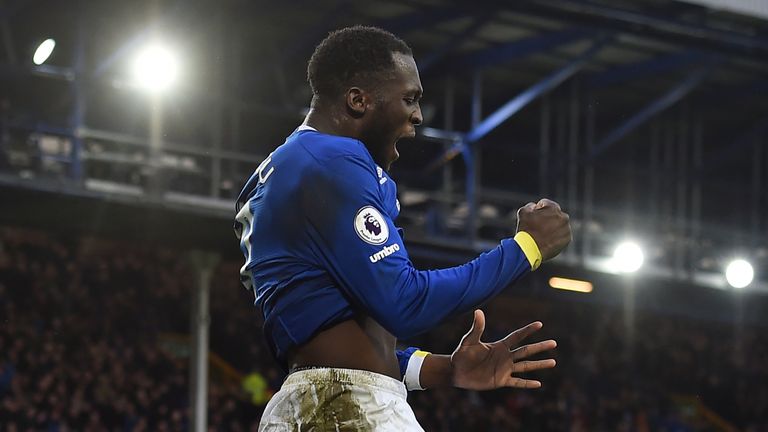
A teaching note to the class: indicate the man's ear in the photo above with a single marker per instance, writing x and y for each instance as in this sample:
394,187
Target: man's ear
357,101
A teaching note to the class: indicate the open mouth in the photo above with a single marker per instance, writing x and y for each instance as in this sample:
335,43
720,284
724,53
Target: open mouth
395,153
408,135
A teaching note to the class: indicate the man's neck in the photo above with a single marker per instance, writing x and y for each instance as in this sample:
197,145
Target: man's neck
329,120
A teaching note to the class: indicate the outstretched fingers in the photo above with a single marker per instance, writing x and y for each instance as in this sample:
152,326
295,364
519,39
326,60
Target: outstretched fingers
527,366
520,334
532,365
518,354
532,349
522,383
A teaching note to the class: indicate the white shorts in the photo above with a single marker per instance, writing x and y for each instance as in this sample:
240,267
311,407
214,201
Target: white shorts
330,399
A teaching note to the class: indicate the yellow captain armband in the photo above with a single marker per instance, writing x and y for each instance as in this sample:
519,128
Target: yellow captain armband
530,249
413,371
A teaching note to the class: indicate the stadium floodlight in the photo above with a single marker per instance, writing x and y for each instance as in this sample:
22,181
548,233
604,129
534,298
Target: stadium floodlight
155,68
739,273
43,51
628,257
570,284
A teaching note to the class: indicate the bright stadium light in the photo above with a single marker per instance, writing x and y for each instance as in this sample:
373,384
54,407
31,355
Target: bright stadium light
628,257
155,68
43,51
570,284
739,273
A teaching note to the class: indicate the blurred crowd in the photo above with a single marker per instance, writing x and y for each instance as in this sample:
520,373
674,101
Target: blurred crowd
82,323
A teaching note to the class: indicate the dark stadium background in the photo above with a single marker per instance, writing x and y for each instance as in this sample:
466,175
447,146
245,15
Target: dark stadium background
645,120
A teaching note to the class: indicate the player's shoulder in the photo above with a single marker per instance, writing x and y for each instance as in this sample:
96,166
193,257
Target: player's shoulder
332,154
324,147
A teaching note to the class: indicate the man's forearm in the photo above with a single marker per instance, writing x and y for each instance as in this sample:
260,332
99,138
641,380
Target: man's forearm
436,371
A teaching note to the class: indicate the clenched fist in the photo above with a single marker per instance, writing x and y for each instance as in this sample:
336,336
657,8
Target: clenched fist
547,224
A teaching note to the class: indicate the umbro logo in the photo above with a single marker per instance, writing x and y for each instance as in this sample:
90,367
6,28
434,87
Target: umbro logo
385,252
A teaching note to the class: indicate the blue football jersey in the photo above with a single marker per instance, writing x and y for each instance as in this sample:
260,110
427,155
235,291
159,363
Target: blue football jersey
315,223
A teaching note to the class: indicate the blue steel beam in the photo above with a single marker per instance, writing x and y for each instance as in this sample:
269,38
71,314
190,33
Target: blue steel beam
653,66
519,102
520,48
523,99
665,101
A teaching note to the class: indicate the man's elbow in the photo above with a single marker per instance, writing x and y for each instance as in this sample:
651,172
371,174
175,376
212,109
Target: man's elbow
403,315
404,331
402,325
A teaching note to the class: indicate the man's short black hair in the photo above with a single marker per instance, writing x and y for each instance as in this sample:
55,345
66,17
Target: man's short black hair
353,56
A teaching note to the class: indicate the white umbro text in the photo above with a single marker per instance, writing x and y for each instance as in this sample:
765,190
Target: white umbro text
385,252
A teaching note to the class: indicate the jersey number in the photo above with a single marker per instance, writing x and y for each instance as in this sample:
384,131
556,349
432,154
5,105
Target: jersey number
260,170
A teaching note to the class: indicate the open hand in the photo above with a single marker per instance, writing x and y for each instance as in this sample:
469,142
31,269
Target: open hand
479,365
